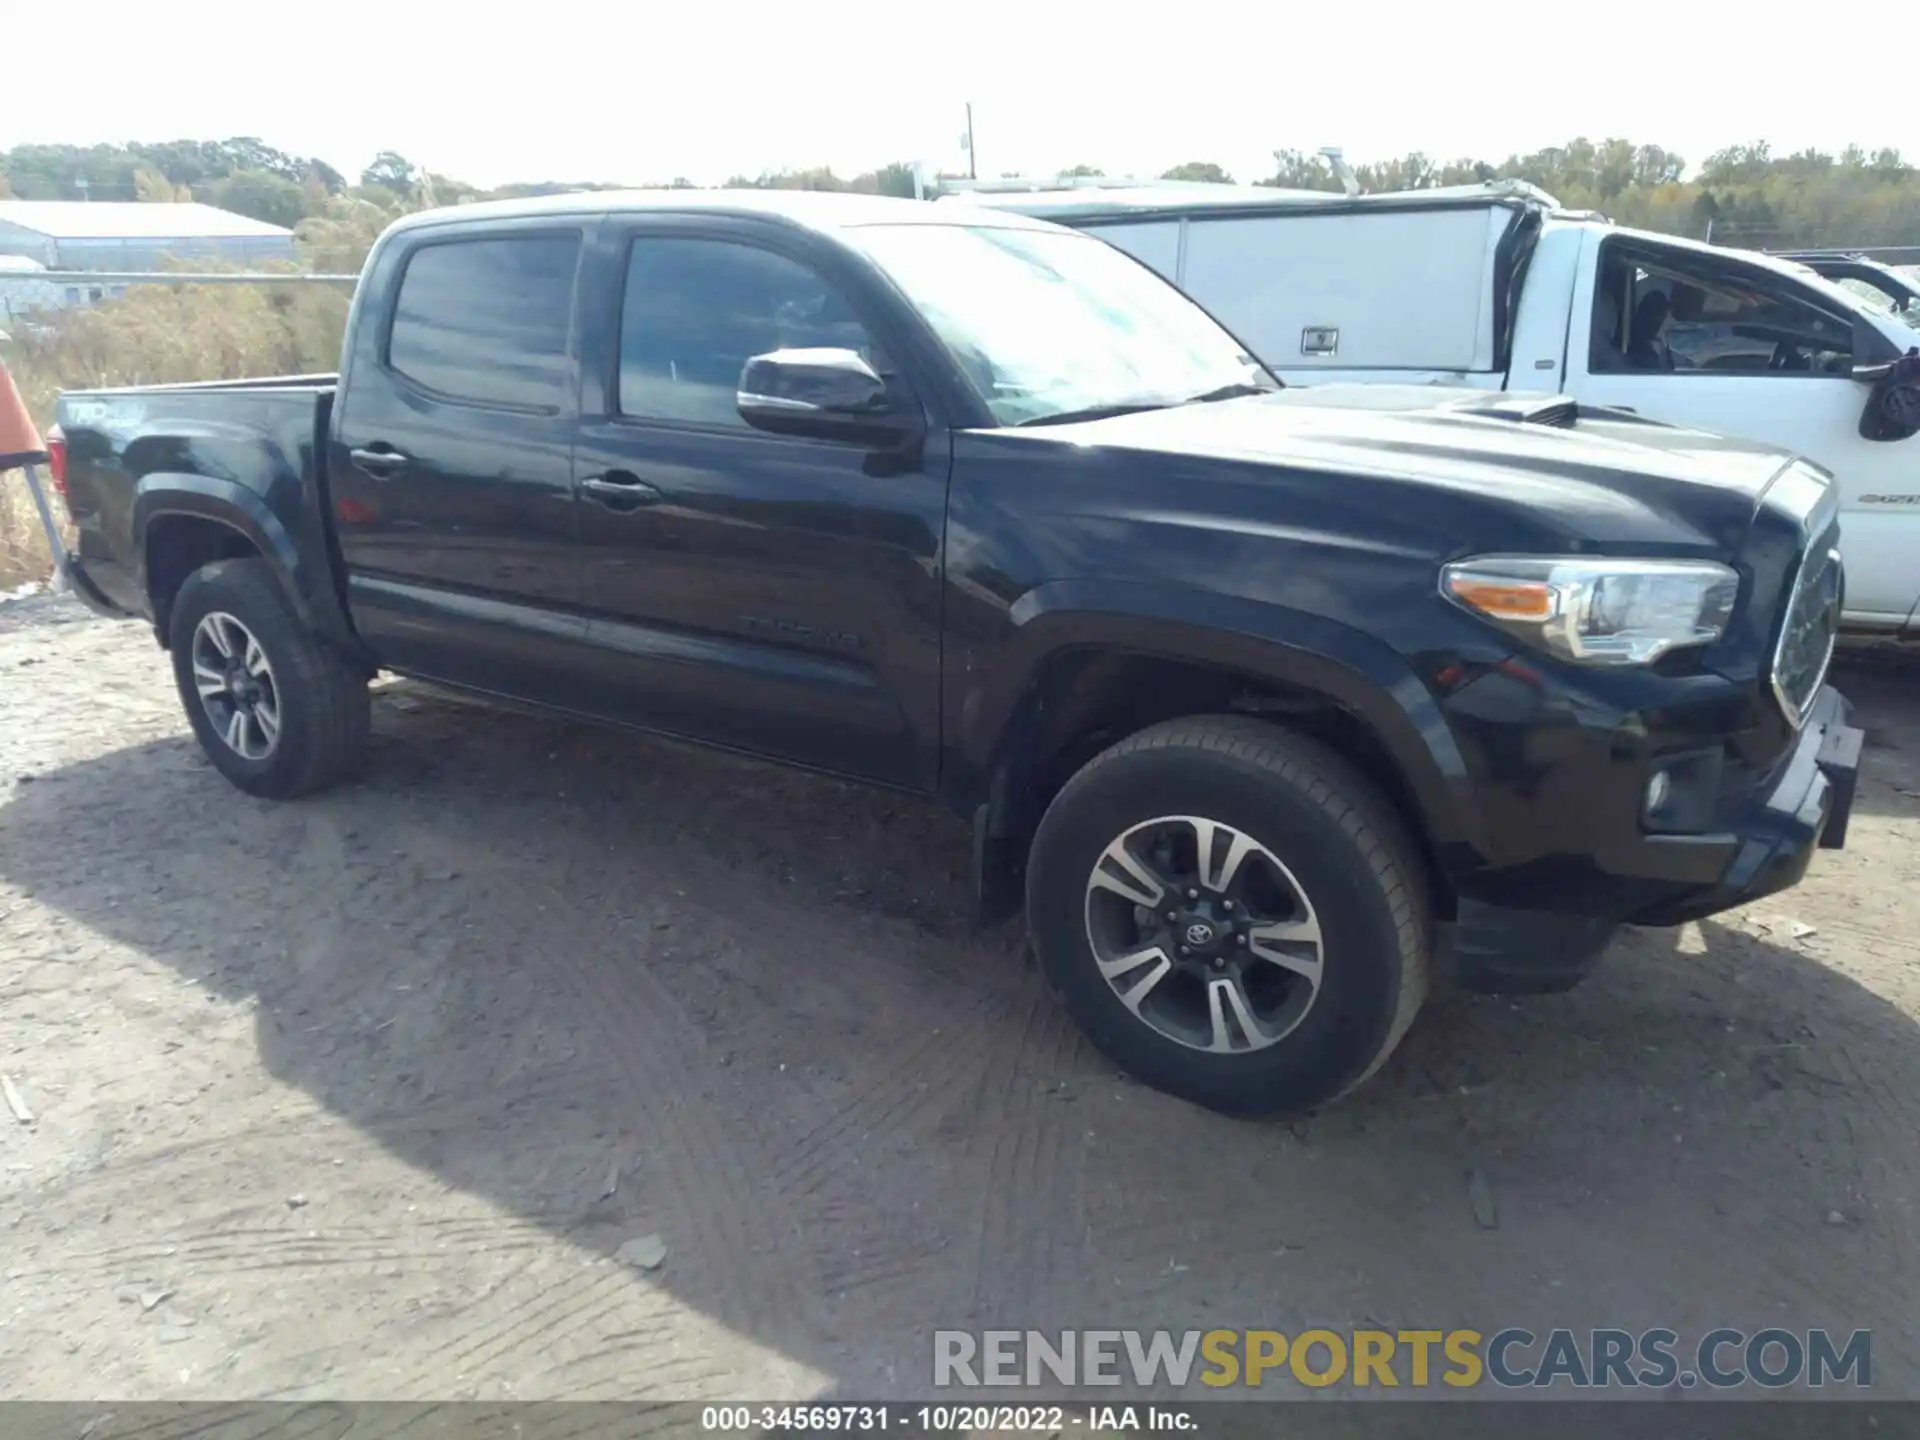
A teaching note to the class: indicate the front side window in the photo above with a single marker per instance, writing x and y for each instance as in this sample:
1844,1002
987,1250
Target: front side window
1050,325
695,311
1652,316
486,321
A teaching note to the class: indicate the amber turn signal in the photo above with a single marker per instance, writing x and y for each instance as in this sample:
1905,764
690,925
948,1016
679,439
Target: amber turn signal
1502,600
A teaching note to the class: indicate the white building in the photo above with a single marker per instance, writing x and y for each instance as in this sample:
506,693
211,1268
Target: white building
126,235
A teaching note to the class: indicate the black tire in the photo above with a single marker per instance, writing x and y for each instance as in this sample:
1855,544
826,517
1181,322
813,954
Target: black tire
321,702
1345,847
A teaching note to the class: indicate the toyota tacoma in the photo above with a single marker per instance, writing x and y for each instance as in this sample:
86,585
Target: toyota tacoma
1271,706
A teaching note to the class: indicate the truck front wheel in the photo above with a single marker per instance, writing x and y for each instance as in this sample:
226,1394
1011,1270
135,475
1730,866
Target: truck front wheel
277,712
1232,913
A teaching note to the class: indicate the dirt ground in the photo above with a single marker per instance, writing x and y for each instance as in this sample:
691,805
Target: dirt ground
359,1096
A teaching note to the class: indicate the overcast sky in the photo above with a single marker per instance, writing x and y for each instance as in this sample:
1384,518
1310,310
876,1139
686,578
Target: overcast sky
638,92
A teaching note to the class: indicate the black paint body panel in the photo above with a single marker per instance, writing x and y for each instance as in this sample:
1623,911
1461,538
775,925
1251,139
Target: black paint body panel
891,616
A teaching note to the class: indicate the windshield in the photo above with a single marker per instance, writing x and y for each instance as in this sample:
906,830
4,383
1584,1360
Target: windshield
1053,325
1881,299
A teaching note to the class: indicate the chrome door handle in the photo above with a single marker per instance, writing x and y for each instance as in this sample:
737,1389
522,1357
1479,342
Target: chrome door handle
379,462
617,488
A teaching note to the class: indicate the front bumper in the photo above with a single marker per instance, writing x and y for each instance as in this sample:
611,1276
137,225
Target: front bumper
1756,848
1807,809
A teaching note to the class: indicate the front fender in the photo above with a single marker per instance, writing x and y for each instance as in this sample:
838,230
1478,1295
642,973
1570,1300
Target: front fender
1354,671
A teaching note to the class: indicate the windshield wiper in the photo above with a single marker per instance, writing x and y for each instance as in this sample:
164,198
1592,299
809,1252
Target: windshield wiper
1095,412
1134,407
1233,392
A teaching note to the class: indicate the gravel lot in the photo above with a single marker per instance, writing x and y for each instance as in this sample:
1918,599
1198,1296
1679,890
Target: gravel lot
360,1096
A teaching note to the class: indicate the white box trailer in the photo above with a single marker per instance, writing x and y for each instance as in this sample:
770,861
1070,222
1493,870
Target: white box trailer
1496,287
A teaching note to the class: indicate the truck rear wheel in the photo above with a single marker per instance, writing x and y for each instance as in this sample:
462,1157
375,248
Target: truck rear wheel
1232,913
277,712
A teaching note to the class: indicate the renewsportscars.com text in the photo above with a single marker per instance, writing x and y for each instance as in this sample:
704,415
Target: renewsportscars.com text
1512,1358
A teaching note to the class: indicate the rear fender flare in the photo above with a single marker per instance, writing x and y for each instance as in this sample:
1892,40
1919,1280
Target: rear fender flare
308,585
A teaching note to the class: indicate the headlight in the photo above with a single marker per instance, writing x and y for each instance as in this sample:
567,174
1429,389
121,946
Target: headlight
1598,612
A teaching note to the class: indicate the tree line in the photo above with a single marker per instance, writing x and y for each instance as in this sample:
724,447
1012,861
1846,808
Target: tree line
1742,195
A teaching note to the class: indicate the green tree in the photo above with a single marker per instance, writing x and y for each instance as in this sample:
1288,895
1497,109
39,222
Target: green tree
391,171
261,195
125,172
1297,170
336,240
152,187
1858,196
1414,171
818,178
895,179
1198,170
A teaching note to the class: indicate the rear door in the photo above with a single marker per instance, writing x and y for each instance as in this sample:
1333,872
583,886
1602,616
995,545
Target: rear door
1716,344
773,594
450,471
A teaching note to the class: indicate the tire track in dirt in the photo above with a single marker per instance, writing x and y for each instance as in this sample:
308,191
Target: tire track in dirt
1028,1182
534,1323
599,1299
201,1156
722,1241
215,1255
895,1176
896,1091
824,1160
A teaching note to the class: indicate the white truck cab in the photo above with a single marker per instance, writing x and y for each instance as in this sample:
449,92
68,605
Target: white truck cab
1495,286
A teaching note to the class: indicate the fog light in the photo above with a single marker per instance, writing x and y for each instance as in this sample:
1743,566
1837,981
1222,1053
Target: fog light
1658,789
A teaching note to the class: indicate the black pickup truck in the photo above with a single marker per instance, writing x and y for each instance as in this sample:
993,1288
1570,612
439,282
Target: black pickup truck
1267,702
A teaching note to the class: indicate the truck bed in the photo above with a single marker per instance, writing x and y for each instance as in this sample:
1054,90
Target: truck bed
325,381
258,444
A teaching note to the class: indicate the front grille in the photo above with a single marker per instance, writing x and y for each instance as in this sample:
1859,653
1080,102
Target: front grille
1808,630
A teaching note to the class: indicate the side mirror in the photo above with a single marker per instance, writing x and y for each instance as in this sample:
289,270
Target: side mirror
1893,404
821,394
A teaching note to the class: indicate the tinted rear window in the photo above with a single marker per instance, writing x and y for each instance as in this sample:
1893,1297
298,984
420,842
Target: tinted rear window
486,321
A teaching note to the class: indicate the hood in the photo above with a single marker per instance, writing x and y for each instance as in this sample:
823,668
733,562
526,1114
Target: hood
1603,476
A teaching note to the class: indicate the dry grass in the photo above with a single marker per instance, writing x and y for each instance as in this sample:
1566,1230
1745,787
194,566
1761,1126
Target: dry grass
24,554
158,334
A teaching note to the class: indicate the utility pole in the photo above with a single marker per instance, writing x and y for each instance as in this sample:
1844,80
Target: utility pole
973,167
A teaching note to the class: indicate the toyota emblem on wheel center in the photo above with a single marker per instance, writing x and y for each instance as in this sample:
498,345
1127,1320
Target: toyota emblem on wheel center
1199,933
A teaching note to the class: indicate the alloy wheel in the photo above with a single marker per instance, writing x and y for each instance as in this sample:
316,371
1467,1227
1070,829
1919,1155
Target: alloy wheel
1204,934
237,687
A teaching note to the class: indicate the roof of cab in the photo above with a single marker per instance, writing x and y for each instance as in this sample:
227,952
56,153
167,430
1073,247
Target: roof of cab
810,209
1078,206
1117,203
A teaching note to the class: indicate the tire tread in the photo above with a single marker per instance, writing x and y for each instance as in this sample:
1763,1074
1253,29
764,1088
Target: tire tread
1347,798
339,717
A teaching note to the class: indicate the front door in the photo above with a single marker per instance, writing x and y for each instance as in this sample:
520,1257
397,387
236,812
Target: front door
1719,345
450,474
773,594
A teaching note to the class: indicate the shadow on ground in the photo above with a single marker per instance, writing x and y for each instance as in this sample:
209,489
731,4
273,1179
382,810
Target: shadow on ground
537,962
1882,678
